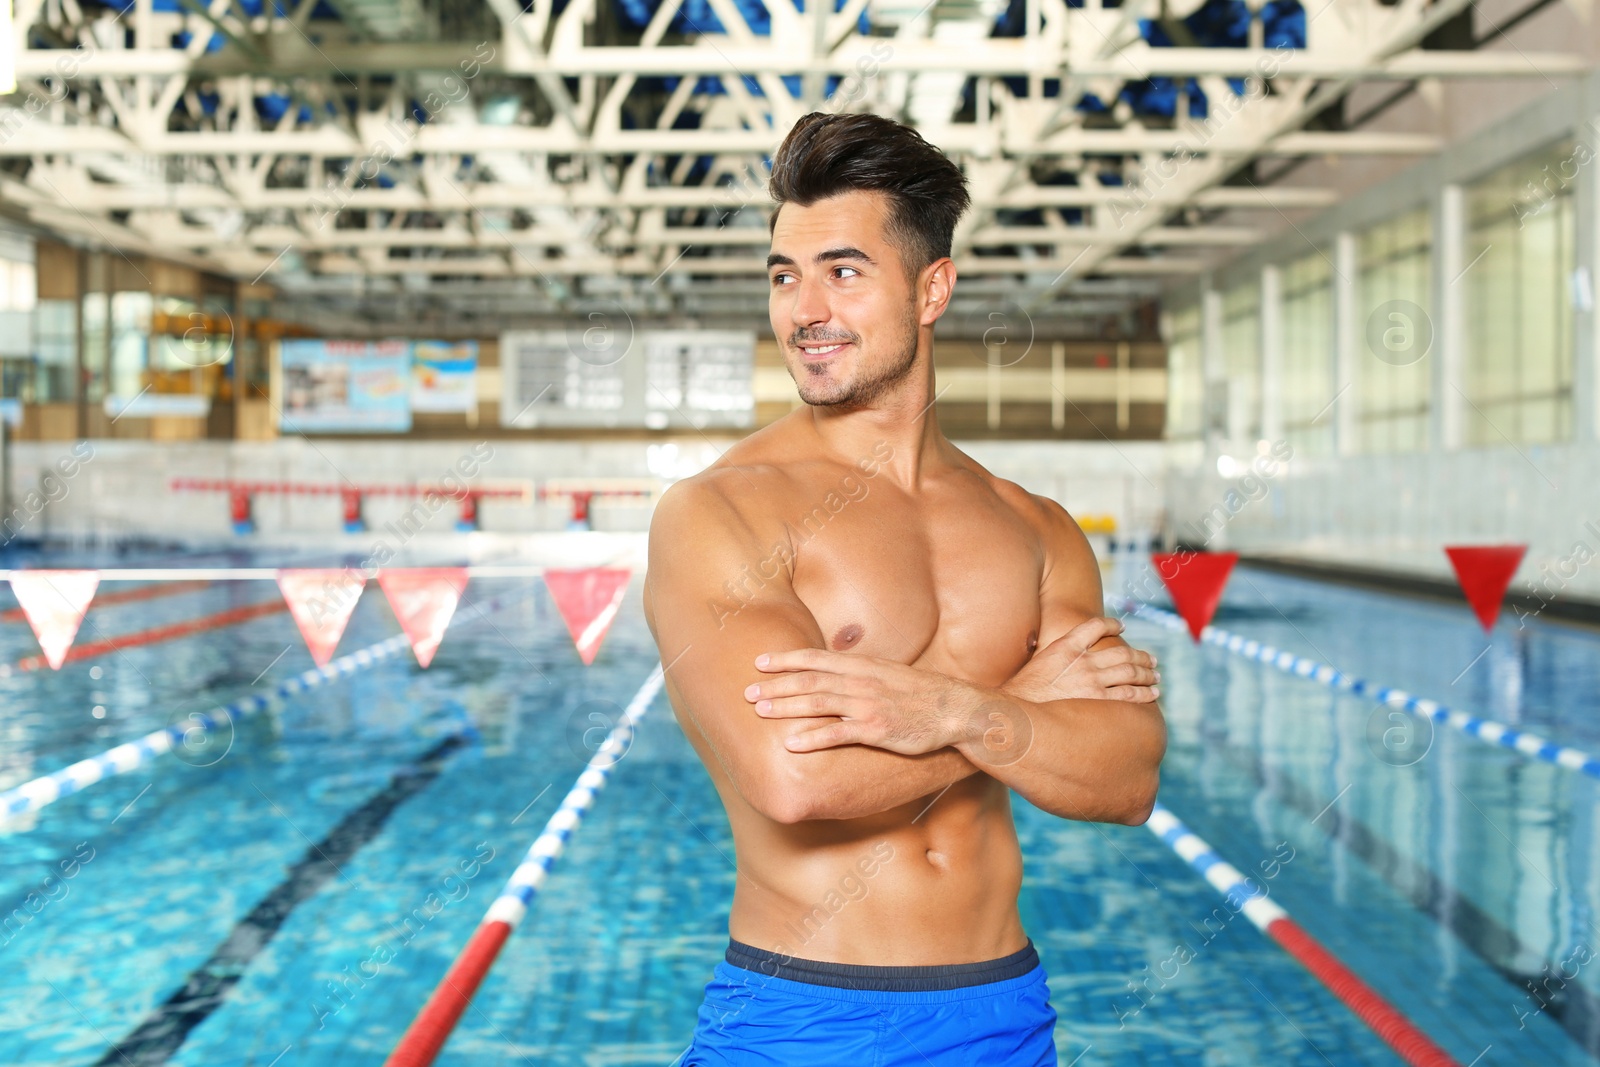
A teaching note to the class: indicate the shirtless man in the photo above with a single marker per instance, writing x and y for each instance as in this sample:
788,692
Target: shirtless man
871,641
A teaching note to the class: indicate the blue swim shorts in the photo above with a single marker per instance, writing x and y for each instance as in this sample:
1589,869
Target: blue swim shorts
767,1010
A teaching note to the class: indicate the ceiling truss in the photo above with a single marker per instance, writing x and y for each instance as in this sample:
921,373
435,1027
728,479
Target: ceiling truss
366,159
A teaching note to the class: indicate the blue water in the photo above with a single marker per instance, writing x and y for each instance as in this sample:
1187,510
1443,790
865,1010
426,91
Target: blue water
1444,871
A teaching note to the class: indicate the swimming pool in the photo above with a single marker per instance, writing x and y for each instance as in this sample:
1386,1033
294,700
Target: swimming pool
293,897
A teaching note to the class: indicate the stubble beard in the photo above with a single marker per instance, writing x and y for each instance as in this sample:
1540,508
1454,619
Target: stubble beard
865,387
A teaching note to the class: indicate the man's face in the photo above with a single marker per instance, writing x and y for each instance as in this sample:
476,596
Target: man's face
842,303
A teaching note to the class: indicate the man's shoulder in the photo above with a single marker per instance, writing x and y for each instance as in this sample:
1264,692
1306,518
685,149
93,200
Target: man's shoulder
755,479
742,489
1040,512
709,498
1064,551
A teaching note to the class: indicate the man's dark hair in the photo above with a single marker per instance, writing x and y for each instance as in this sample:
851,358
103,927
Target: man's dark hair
825,155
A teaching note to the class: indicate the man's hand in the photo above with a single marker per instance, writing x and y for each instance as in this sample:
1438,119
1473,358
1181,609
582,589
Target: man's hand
1068,668
904,709
879,702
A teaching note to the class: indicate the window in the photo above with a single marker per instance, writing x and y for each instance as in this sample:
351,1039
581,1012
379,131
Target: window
187,342
1395,334
55,346
130,342
95,346
1518,358
18,285
1241,357
21,371
1308,390
1185,372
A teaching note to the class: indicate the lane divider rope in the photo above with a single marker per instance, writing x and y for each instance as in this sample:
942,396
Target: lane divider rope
1250,900
47,789
428,1032
153,591
1485,730
154,635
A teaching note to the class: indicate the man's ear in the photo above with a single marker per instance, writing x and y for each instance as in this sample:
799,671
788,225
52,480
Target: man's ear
935,284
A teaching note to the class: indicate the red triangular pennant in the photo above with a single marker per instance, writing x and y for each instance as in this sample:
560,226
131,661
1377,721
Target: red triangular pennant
423,599
1195,580
54,603
588,600
321,601
1485,573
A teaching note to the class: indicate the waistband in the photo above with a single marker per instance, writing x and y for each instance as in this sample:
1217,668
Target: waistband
883,979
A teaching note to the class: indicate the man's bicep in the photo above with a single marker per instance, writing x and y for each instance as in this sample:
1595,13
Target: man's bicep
1071,592
709,628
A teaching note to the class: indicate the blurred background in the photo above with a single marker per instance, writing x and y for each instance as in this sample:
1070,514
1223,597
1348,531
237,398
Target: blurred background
354,284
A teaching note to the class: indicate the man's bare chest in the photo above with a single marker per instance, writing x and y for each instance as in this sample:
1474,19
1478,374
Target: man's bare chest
950,583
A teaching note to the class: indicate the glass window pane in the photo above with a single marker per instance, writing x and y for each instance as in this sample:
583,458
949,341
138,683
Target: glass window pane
1185,373
1241,354
1392,376
1519,338
1308,390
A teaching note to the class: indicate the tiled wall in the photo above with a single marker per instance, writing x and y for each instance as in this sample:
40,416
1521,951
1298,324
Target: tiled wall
1398,511
121,490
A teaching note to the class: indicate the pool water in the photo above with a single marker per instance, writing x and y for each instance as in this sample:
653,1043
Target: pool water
291,895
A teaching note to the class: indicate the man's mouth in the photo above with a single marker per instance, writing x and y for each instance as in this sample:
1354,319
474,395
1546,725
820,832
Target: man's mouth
820,350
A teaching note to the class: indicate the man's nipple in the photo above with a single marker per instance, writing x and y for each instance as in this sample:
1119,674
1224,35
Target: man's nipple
848,636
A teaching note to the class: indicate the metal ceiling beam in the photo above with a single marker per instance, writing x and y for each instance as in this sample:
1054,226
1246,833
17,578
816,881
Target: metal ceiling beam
103,197
288,56
37,138
591,185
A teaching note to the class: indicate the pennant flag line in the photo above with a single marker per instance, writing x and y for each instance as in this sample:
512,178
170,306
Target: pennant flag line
321,601
1485,573
588,601
423,599
1196,582
54,603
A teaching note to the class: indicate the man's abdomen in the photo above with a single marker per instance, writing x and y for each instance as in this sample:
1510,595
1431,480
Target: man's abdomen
887,891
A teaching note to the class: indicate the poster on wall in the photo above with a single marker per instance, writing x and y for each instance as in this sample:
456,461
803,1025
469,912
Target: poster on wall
444,376
345,386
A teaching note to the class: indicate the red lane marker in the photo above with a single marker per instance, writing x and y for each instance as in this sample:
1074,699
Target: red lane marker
157,634
1414,1046
153,591
321,600
588,601
428,1032
1485,573
1195,580
423,599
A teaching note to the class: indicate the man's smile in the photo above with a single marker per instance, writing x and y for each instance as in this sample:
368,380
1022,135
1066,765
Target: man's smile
818,351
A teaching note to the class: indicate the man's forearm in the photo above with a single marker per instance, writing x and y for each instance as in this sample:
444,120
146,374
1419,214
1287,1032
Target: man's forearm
855,781
1085,759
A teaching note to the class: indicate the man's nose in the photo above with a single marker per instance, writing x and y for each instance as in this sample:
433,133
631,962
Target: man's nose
810,303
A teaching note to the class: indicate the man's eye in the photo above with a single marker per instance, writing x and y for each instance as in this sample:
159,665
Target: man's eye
852,271
782,279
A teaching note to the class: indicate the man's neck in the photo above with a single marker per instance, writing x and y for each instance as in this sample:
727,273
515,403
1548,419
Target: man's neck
904,418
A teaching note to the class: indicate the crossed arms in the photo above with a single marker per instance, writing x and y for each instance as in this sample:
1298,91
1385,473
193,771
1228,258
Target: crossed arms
803,733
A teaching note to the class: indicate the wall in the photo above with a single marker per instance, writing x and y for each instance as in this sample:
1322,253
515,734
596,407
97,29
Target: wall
121,491
1396,512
